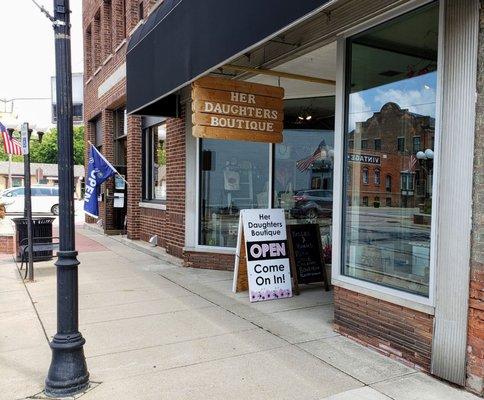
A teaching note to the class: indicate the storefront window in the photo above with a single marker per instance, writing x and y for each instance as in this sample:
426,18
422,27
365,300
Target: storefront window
391,100
120,136
234,175
154,164
303,165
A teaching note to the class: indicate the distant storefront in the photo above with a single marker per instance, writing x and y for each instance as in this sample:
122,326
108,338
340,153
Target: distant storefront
355,115
12,175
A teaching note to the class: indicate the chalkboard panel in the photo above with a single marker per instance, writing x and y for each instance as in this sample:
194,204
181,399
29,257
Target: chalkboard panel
306,254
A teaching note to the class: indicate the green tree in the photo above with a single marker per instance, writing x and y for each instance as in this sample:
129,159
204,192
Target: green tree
46,152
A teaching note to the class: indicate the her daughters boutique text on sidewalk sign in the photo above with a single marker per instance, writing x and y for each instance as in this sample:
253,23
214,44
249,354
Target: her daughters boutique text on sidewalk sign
263,234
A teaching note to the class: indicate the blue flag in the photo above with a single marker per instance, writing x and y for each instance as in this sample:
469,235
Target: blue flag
98,170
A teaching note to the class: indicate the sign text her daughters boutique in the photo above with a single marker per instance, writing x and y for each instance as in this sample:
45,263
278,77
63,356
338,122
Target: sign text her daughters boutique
263,228
234,110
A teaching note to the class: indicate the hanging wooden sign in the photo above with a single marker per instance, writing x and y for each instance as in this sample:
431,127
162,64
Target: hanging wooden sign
235,110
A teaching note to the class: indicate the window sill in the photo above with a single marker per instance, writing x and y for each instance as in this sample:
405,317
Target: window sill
382,293
88,81
106,60
120,45
140,22
210,249
97,71
154,206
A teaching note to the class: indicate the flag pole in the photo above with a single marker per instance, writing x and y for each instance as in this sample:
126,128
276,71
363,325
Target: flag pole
9,170
107,162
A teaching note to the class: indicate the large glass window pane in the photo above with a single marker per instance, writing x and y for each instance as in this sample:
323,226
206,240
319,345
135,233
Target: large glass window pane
303,165
154,163
391,101
234,175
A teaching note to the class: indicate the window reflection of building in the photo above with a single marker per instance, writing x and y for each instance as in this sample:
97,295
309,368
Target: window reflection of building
303,165
390,245
396,165
364,176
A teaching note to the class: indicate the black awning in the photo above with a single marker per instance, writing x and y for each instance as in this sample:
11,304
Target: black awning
184,39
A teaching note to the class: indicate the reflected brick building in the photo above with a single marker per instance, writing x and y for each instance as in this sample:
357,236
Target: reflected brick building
389,172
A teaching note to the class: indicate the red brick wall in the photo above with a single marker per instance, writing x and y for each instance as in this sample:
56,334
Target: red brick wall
153,222
396,331
106,24
108,152
475,335
168,224
175,184
204,260
134,177
6,244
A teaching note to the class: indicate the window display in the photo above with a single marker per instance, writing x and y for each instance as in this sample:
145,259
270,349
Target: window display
391,98
234,175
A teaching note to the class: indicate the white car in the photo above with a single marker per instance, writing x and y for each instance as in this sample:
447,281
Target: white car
45,199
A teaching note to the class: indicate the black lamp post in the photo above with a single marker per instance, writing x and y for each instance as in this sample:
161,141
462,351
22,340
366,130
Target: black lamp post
68,370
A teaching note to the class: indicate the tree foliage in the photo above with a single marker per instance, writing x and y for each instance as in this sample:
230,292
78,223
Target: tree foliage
46,152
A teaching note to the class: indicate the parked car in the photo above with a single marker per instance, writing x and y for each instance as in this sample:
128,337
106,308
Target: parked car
45,199
312,204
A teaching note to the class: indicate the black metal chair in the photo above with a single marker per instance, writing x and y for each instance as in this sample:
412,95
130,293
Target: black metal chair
39,244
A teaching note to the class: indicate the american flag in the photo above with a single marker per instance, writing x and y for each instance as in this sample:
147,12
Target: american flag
10,145
305,163
411,163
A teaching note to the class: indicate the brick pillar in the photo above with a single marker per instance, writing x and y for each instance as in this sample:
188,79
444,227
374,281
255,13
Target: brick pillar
87,53
106,27
96,43
475,334
134,176
108,152
147,6
132,14
88,136
118,21
175,185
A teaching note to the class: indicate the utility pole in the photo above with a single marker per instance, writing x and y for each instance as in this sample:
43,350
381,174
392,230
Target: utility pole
68,369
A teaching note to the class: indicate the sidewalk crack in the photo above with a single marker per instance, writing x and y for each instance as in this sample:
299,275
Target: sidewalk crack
32,302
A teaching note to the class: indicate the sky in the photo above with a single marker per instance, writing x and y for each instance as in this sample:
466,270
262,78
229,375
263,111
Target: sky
417,94
27,50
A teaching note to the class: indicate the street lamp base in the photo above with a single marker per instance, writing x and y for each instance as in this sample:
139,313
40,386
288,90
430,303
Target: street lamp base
68,373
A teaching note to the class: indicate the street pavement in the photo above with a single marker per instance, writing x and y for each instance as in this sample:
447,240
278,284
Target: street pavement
155,330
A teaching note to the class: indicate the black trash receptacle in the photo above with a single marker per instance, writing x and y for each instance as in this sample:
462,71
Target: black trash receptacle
41,228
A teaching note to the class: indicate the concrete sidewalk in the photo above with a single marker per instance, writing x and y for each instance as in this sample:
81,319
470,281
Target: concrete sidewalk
155,330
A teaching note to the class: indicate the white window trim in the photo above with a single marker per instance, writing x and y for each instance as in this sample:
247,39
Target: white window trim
153,205
210,249
395,296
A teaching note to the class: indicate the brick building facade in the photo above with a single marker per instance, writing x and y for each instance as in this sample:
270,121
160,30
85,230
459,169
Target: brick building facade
475,341
401,332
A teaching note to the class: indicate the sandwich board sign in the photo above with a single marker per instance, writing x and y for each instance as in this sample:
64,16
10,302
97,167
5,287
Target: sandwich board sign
262,261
